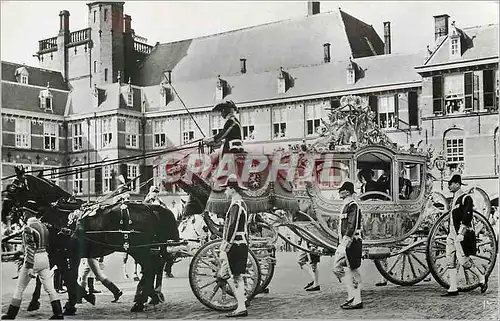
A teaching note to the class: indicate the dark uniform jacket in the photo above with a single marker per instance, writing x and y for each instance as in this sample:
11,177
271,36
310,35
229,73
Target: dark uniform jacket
35,240
462,211
350,221
235,225
231,133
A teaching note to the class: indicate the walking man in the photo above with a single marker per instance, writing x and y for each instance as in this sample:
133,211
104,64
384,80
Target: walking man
234,246
457,250
94,266
347,258
36,262
309,262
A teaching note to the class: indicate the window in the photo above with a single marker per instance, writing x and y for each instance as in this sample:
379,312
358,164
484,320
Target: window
351,76
160,136
78,181
387,112
279,122
489,89
107,178
50,134
454,94
24,79
130,99
23,133
94,15
454,47
313,118
216,123
77,137
247,121
105,14
187,130
455,152
95,66
132,133
105,74
133,172
45,99
53,175
107,133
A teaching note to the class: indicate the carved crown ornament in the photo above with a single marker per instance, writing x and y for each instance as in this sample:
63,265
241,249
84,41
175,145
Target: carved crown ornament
350,127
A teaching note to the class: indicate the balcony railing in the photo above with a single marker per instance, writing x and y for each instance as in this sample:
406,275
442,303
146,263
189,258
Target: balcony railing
80,35
47,44
142,48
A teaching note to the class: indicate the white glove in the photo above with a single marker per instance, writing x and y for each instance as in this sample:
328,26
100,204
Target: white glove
31,273
346,241
460,238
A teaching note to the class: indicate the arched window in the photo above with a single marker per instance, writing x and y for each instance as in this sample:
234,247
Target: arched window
454,148
496,151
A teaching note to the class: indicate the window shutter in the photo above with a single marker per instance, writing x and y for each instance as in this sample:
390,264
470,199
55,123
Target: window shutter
335,103
123,171
98,181
437,94
147,173
113,179
401,110
413,108
488,89
373,102
469,89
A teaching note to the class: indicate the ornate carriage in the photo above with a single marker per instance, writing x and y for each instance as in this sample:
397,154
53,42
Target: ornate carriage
405,223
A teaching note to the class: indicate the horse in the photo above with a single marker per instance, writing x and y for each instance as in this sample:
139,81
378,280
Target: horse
138,229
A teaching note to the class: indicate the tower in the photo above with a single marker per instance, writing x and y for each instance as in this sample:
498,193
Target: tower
106,30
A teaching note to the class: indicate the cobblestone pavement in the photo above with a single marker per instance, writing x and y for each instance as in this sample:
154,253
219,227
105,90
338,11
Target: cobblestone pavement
286,300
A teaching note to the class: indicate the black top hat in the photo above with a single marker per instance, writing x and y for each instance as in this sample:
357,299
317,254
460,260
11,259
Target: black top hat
456,179
225,105
366,173
232,181
347,186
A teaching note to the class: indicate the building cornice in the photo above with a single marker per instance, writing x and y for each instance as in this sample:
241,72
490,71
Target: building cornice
30,114
457,64
33,86
106,113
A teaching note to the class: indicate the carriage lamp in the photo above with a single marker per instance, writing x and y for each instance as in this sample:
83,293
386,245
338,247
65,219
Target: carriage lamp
440,163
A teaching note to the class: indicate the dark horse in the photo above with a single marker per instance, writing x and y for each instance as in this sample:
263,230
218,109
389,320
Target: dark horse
138,229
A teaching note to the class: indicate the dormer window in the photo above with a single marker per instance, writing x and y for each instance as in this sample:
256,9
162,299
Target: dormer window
130,95
220,88
45,97
284,81
455,42
165,92
351,72
22,75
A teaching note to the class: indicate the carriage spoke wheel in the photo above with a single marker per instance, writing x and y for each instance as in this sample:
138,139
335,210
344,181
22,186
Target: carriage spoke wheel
213,292
484,259
407,268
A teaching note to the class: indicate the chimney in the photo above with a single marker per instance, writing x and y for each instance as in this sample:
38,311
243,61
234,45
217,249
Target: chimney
243,65
440,25
387,37
312,8
127,26
64,22
326,52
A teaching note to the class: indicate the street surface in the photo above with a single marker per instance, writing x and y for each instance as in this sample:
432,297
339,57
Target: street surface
286,299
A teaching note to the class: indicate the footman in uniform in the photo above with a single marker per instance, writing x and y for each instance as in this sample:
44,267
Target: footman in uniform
231,133
36,262
234,246
459,249
347,258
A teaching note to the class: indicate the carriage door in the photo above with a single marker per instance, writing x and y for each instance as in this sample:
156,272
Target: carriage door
410,182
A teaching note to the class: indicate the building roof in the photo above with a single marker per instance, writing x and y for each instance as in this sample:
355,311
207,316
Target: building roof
323,78
37,76
26,98
288,44
480,42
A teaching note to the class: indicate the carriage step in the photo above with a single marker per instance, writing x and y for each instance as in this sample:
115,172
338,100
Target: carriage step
377,253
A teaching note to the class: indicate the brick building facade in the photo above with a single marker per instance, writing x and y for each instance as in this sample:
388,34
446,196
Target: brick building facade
123,97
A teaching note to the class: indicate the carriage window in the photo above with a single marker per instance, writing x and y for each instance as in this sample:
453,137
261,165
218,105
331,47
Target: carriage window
374,176
410,180
330,174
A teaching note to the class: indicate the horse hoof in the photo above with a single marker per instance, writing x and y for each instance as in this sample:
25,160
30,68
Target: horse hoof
34,305
69,311
90,298
117,297
138,307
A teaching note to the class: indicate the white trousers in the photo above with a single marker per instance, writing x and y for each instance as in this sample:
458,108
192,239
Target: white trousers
88,266
455,253
40,267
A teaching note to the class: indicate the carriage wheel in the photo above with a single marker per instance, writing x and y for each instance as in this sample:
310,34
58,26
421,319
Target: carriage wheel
484,260
407,268
212,291
267,263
